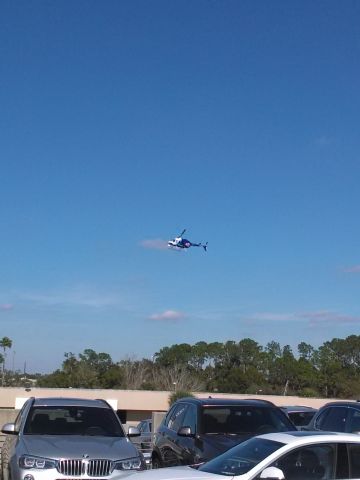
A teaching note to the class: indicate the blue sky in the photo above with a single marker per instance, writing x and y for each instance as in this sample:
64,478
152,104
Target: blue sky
123,122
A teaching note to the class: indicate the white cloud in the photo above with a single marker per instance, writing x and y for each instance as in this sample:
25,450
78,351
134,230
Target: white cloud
6,306
75,297
323,141
352,269
275,317
311,318
324,316
168,316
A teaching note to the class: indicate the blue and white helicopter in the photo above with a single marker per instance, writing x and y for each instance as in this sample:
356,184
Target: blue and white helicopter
180,243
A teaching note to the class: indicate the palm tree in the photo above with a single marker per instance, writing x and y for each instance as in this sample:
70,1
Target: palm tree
5,343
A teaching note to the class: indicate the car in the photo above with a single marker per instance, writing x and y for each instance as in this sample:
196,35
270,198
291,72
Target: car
300,415
296,455
67,438
195,430
340,416
144,441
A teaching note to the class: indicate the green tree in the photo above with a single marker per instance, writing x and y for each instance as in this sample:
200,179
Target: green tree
235,380
178,354
249,353
98,362
330,370
306,351
200,355
5,343
215,350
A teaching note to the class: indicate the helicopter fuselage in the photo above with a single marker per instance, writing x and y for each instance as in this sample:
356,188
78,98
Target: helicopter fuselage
180,243
183,243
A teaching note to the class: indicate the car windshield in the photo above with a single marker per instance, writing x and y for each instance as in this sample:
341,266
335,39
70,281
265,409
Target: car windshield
301,419
71,420
242,458
240,419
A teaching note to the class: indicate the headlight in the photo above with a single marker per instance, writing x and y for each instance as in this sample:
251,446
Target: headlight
27,461
136,463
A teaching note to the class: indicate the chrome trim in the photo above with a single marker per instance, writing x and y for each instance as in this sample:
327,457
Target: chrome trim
91,468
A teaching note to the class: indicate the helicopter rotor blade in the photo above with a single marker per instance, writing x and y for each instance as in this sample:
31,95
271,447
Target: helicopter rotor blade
182,233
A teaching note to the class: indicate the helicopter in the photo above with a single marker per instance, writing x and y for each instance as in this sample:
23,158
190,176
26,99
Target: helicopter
181,243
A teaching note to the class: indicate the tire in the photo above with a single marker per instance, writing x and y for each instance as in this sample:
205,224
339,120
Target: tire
5,475
155,463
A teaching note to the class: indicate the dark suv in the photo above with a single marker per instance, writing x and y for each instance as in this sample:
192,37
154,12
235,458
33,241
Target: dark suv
337,417
195,430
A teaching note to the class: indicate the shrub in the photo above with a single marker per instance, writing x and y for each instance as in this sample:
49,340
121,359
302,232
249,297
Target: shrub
179,394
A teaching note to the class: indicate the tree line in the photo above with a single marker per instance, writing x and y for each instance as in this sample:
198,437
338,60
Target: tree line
332,370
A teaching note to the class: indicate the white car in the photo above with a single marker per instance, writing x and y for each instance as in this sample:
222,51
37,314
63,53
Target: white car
277,456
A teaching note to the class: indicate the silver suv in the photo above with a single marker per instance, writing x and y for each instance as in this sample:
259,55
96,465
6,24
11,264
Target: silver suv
68,438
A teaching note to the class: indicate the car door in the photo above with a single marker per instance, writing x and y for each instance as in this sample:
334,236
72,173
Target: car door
11,441
353,420
317,461
170,444
332,419
145,434
354,460
137,440
190,451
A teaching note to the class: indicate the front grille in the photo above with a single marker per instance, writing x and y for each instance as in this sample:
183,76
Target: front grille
91,468
71,467
100,468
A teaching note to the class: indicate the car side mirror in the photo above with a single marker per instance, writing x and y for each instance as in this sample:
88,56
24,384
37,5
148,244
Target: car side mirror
133,432
272,473
185,432
9,429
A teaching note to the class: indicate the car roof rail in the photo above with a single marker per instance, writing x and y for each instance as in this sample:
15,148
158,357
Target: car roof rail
104,401
268,402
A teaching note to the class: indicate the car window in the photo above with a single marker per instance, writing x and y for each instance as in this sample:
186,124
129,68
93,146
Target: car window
71,420
333,419
354,460
301,419
310,462
168,416
242,458
189,419
175,420
20,417
354,420
144,427
242,419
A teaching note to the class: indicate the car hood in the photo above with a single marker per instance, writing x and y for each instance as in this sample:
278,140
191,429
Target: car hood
222,441
74,446
177,473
